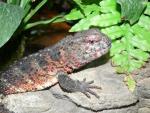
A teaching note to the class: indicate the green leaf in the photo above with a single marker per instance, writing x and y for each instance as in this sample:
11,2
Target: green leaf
126,40
75,14
139,54
33,11
135,64
108,5
142,33
140,43
10,18
24,3
130,82
132,62
139,31
147,11
97,20
131,9
83,24
105,20
113,32
119,59
80,4
88,9
117,47
27,9
14,2
125,63
124,54
144,22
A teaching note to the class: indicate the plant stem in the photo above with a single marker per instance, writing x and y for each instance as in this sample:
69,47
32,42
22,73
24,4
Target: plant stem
32,12
23,3
55,19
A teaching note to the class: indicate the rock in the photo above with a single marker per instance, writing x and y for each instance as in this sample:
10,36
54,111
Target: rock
30,102
39,102
3,109
114,93
144,110
114,96
132,109
143,88
143,72
144,102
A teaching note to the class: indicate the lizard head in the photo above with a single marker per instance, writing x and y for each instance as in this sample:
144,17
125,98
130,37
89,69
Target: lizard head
88,45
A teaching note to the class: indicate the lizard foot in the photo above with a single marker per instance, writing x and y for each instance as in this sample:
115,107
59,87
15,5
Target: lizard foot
71,85
85,87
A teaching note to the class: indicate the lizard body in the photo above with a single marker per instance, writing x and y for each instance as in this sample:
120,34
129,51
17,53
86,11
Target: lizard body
40,70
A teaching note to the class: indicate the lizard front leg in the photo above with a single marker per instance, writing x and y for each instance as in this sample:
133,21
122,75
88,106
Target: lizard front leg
71,85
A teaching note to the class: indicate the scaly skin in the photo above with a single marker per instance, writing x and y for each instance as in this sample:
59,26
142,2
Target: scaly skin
39,70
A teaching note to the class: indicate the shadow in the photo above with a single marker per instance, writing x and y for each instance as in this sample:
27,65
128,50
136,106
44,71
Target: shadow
100,61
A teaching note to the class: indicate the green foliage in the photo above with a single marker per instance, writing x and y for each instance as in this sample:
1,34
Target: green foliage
10,18
147,11
75,14
16,14
14,2
144,22
132,9
128,29
130,82
90,15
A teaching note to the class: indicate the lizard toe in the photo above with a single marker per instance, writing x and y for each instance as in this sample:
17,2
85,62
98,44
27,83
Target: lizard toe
85,88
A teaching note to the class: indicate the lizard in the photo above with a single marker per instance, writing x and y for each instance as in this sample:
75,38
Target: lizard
51,65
